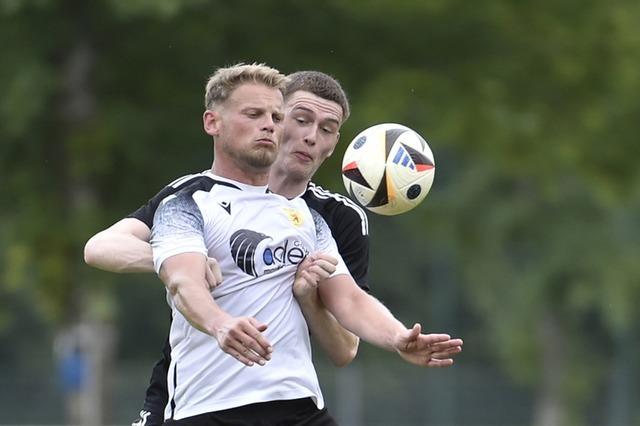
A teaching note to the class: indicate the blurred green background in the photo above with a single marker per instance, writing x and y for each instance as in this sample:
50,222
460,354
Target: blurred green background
527,245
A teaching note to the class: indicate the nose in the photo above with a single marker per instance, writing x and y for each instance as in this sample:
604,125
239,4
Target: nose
268,125
310,138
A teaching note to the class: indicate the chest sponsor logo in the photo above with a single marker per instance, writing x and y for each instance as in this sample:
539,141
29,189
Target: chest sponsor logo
257,254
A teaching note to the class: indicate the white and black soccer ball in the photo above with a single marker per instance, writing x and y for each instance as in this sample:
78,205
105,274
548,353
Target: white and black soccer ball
388,168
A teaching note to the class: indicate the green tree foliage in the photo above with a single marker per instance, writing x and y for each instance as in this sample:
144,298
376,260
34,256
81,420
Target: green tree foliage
529,107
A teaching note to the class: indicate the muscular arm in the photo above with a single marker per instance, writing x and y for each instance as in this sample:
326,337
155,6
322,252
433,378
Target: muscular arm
123,247
359,312
339,343
368,318
184,277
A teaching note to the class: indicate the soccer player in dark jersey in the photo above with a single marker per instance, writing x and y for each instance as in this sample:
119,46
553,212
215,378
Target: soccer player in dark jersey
315,108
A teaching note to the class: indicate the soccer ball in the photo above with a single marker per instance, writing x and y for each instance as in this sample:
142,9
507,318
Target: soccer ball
388,168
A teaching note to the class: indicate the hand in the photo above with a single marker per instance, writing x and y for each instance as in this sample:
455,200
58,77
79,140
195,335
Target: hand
313,269
242,338
213,274
427,350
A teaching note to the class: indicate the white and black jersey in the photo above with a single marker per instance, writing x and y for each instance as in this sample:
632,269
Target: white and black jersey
258,238
347,221
348,225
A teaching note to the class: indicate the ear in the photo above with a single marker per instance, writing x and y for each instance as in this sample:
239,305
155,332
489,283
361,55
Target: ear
211,122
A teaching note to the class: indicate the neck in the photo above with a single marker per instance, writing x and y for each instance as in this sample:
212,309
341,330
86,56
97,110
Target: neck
284,184
249,176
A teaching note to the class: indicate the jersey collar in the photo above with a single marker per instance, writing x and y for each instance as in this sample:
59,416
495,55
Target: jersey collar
243,186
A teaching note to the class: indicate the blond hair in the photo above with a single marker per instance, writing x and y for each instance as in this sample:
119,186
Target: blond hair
226,80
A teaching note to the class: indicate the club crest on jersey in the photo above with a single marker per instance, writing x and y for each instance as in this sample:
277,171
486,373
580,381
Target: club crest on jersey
256,254
294,216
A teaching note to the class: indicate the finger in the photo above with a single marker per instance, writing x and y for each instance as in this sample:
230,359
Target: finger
326,258
241,358
306,262
246,352
326,266
413,334
318,273
254,351
303,266
440,363
212,282
417,328
247,334
442,346
241,348
261,344
214,268
446,353
312,278
433,339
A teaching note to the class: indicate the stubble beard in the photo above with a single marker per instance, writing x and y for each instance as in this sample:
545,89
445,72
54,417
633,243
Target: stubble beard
258,159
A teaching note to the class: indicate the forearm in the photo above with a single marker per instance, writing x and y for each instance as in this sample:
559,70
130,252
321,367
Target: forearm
361,313
123,247
195,303
338,343
118,253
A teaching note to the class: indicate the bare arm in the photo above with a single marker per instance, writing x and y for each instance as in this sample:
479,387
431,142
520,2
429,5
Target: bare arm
241,337
123,247
368,318
339,343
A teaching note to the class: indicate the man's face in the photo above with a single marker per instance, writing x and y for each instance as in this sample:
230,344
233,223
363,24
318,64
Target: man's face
311,132
248,125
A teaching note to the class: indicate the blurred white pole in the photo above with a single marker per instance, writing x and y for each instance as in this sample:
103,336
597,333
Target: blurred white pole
349,396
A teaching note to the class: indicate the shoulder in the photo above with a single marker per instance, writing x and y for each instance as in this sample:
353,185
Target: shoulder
190,184
336,209
185,185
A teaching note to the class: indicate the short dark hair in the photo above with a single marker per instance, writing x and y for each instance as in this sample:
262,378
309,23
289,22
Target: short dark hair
320,84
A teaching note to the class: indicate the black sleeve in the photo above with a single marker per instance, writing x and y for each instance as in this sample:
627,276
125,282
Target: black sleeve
146,212
353,245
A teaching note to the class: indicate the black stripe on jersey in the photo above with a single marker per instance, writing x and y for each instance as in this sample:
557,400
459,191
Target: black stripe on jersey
349,228
316,194
191,183
175,386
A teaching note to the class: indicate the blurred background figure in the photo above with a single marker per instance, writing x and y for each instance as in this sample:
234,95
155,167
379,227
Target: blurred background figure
73,371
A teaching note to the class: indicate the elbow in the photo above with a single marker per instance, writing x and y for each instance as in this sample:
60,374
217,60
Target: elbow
345,357
91,252
173,287
172,282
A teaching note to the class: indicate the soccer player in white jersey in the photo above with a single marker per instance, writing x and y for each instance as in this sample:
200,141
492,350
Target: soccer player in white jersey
307,107
124,246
